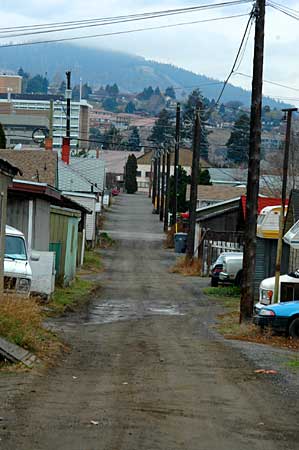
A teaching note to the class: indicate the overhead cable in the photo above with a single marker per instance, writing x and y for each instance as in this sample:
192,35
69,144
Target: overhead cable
115,33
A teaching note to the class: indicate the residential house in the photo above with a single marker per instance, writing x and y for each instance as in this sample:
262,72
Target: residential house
37,165
82,175
84,181
145,166
115,162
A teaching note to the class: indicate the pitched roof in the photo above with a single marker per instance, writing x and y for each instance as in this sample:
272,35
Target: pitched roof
82,175
36,165
223,175
216,193
185,158
115,160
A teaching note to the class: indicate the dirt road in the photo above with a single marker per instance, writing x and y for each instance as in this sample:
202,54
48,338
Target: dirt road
146,367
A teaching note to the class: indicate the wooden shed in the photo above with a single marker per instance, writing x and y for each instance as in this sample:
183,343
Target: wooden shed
64,241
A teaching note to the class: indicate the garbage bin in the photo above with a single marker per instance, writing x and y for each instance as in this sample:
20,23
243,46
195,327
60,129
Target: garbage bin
180,242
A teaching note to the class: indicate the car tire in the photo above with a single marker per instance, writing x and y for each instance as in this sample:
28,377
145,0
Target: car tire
238,279
294,328
214,282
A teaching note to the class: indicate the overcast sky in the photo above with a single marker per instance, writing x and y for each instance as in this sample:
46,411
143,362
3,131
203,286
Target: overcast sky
203,48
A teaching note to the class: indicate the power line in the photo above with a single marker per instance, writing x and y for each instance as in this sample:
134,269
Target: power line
269,82
247,28
64,26
284,7
115,33
283,10
128,16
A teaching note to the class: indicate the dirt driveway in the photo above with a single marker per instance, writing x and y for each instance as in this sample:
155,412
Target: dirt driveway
146,371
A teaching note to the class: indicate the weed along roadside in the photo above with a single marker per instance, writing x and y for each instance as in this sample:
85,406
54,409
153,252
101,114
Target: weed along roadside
22,320
228,321
21,323
78,293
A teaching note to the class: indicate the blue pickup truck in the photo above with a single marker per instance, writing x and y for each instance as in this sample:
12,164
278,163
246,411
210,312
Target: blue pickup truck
281,317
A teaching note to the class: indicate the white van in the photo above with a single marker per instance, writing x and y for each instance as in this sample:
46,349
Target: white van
288,290
17,270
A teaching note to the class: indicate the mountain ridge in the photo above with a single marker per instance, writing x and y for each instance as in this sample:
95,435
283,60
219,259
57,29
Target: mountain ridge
131,72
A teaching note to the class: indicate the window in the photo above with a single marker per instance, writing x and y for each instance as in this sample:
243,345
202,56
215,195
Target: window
148,174
15,248
138,173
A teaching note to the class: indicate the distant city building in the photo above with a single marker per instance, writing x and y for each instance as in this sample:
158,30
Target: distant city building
33,111
10,83
103,120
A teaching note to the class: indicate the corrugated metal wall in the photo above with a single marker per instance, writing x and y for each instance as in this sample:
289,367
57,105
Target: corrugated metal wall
266,260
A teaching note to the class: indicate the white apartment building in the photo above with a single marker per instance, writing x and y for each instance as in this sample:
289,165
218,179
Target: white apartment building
79,117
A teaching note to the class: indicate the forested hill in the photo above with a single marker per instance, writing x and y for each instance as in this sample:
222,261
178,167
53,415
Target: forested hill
100,67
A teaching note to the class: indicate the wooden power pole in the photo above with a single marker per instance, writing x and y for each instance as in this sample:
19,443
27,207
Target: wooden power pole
154,188
158,182
289,112
247,295
193,190
168,163
68,96
176,164
162,202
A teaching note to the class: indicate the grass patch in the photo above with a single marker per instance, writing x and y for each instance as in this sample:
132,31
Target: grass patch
92,261
225,291
228,296
105,241
67,299
21,322
187,267
293,364
228,323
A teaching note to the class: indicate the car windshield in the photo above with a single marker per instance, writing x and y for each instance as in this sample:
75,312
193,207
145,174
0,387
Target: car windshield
219,260
261,219
15,248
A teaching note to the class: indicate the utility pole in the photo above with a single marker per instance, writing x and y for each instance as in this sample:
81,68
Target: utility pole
158,183
193,190
51,119
176,164
247,295
68,95
150,181
168,163
162,188
154,189
289,112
